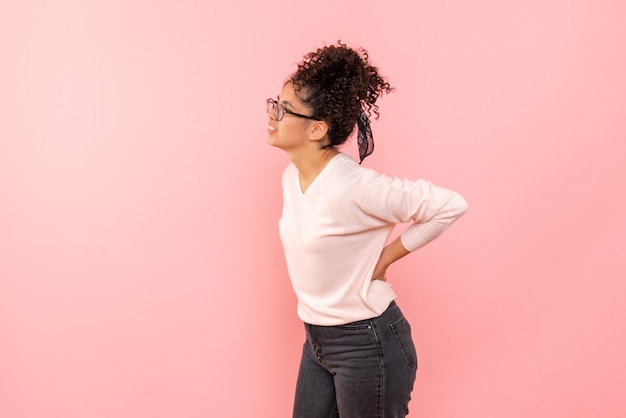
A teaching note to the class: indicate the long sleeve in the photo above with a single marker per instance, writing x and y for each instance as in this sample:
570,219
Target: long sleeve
421,232
430,208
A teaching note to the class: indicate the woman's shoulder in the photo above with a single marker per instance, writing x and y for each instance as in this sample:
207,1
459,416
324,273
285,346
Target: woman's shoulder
352,170
353,179
348,165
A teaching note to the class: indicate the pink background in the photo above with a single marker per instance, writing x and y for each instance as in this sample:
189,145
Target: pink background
141,273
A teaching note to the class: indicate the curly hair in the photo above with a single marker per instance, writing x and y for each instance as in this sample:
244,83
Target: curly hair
338,83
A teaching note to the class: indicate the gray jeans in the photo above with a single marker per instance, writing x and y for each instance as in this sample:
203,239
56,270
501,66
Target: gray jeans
364,369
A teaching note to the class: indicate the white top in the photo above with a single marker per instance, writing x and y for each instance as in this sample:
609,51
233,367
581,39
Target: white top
333,235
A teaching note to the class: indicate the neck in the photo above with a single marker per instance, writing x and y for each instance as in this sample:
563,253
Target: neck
311,165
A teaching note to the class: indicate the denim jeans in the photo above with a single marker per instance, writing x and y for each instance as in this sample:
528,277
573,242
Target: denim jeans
364,369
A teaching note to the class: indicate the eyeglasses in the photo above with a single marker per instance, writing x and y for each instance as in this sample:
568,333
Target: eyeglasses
279,110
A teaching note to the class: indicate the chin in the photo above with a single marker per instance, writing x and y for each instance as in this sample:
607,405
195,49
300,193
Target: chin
270,140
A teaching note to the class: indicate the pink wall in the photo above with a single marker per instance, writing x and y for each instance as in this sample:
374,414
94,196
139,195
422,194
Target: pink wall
141,274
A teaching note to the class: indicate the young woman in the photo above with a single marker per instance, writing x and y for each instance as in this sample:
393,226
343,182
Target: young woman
358,359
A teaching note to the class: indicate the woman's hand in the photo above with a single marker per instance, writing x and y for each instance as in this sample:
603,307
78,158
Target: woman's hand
390,254
380,272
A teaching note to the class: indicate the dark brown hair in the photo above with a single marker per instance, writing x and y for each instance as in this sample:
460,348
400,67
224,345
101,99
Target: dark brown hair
337,83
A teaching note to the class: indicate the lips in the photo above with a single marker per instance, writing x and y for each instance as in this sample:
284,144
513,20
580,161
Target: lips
271,129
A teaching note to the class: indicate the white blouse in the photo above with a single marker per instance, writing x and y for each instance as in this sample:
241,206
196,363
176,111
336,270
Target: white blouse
333,235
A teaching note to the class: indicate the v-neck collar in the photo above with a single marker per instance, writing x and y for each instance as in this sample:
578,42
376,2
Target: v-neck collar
316,180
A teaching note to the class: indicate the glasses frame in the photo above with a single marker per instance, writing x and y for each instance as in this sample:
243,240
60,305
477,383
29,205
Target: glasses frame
276,107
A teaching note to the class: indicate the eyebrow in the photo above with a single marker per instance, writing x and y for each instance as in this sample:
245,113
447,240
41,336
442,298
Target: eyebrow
284,102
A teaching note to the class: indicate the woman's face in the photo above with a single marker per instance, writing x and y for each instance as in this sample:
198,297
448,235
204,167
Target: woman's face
291,131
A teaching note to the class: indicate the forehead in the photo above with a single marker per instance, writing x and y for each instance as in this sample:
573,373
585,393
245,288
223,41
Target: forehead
289,98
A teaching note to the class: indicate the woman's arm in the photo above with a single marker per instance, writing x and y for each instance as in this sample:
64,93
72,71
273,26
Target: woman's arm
431,218
431,209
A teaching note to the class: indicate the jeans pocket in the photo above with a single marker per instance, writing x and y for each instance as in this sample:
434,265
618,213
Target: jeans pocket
402,331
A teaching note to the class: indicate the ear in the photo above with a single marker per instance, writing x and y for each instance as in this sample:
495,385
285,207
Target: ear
318,130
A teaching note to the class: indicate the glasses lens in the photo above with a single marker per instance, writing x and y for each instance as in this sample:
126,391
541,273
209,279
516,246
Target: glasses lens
272,105
279,112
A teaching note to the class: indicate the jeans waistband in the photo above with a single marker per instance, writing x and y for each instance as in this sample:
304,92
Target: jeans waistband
391,305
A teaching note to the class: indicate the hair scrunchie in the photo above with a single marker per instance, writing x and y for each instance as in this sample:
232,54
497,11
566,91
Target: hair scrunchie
365,138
